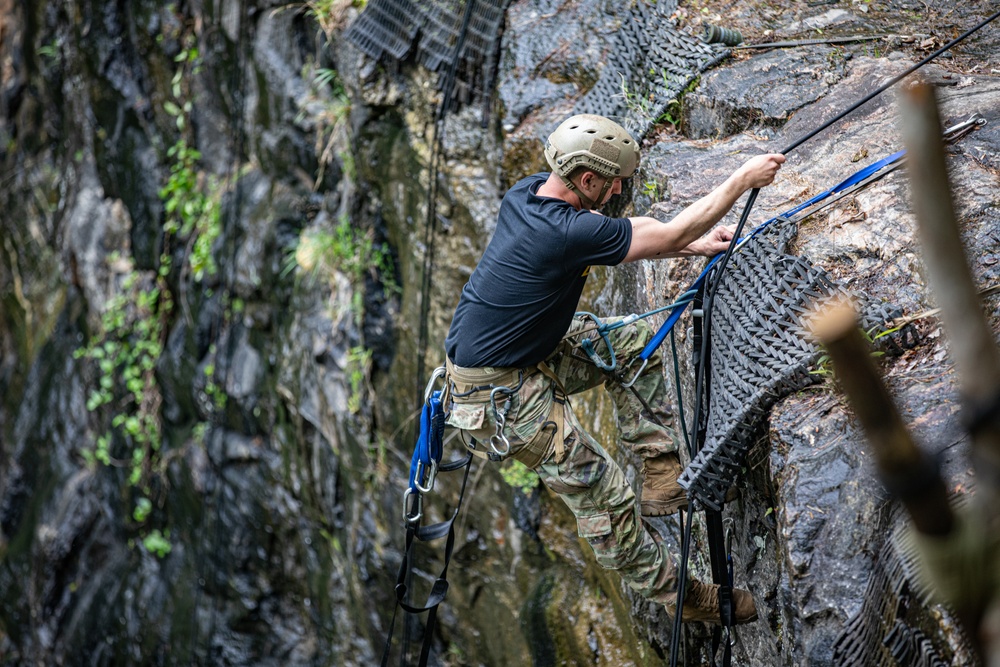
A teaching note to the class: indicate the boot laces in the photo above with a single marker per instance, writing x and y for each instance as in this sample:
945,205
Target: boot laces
704,597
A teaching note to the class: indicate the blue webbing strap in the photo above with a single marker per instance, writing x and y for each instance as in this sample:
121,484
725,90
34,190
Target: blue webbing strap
854,179
428,450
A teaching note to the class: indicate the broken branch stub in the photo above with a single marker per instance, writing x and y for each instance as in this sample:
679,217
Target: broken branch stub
971,344
906,470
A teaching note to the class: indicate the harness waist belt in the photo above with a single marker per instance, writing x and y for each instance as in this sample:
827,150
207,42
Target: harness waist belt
466,380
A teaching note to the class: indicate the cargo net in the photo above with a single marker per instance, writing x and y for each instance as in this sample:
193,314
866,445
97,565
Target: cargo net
894,625
650,64
429,31
761,353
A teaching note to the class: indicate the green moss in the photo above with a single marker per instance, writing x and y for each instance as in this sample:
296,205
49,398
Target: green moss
519,476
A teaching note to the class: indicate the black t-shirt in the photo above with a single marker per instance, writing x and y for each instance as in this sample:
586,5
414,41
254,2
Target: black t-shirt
520,299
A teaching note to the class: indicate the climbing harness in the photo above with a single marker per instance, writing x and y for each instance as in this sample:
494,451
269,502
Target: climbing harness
424,468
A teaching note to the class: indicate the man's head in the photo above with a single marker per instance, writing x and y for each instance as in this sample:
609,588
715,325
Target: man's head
591,143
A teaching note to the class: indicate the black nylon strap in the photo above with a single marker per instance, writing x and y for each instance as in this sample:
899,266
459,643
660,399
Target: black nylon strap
440,587
718,557
720,574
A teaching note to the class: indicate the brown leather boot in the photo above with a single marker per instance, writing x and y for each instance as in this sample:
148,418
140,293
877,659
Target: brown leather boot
701,603
661,494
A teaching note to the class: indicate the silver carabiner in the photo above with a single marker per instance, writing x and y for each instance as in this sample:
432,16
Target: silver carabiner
729,527
432,474
631,382
439,372
499,438
500,414
419,507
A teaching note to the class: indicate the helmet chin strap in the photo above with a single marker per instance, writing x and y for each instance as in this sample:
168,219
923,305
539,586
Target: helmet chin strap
585,201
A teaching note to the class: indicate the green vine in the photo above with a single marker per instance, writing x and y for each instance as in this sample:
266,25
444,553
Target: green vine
126,349
190,197
134,325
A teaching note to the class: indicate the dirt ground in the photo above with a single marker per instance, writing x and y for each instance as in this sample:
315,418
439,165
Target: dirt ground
913,26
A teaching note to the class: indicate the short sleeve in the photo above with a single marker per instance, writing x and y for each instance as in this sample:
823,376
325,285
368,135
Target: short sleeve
594,239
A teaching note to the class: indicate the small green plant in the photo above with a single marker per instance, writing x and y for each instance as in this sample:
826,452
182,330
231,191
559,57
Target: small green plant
331,14
519,476
351,251
359,361
824,364
672,114
328,106
157,543
48,51
651,189
638,103
213,391
143,506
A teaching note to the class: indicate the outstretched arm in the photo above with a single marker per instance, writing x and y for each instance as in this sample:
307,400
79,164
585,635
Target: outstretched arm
685,234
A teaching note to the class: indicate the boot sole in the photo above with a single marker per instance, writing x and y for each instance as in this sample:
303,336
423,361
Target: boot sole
662,507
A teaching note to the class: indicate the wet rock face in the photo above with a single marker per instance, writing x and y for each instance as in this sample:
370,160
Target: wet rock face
760,92
284,511
830,517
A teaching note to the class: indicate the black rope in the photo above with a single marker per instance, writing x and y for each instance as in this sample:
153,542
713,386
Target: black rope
430,231
680,398
430,235
701,302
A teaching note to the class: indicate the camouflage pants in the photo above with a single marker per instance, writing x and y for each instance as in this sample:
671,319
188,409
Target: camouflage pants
584,475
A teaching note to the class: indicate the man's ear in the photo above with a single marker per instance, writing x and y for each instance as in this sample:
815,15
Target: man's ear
587,178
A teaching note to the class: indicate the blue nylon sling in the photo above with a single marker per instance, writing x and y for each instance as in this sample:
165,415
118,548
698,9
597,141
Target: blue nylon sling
429,448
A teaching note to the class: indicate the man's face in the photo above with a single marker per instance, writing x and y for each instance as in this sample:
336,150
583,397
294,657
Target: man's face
615,189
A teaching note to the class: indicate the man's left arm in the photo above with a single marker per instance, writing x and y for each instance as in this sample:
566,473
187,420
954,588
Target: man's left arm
685,234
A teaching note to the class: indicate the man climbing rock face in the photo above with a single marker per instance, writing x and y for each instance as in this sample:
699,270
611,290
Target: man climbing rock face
514,349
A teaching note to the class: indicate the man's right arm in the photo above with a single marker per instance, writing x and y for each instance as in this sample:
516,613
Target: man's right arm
682,236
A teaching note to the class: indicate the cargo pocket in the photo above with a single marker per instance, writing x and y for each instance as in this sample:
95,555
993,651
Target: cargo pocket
597,530
471,418
583,466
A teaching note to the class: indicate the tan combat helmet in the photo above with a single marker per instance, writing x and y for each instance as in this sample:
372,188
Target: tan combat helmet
595,143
